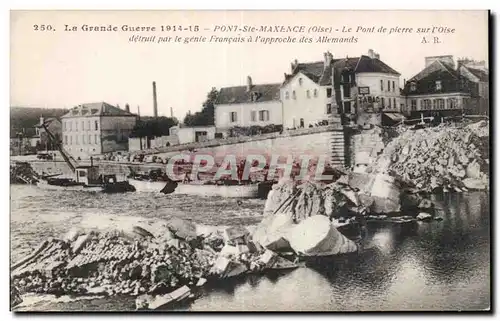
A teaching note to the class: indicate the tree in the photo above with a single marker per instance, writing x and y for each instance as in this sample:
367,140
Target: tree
153,127
205,117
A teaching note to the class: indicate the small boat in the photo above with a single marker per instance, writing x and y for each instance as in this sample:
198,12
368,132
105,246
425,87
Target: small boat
68,185
87,180
147,185
198,188
210,189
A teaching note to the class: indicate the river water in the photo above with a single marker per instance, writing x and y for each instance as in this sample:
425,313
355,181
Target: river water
444,265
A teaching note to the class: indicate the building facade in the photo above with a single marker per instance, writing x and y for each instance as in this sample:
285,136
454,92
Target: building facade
307,93
185,135
365,88
478,76
351,89
246,106
438,90
95,129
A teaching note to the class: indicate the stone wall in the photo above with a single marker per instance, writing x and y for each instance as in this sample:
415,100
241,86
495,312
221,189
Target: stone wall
364,146
314,142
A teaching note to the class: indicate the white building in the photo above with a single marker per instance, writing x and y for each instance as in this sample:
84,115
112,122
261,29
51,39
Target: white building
307,93
194,134
366,88
250,105
319,91
96,128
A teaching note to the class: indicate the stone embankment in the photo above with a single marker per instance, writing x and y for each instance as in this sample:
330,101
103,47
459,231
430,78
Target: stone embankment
449,157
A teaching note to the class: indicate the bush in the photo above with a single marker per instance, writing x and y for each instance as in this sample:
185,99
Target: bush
238,131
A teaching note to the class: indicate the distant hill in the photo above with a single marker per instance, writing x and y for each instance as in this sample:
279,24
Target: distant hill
28,117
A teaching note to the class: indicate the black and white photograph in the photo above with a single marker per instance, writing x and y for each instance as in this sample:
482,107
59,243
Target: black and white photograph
250,161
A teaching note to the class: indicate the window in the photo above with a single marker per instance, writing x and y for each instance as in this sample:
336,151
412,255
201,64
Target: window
88,126
388,85
434,104
83,139
381,85
438,85
76,126
76,139
253,115
440,103
302,125
90,139
413,104
287,95
393,86
328,92
83,125
96,125
394,102
65,140
294,96
264,115
95,139
315,93
452,103
426,104
328,108
308,94
413,86
389,104
382,102
300,81
69,123
71,140
233,117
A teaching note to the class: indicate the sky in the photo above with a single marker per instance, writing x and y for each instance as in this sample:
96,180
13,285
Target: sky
61,69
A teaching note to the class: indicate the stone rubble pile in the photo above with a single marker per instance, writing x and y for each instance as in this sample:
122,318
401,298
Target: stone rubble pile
139,263
453,158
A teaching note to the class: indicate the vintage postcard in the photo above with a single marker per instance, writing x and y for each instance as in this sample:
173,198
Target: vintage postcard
250,161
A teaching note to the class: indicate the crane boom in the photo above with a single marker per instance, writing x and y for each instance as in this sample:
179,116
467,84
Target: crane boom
67,157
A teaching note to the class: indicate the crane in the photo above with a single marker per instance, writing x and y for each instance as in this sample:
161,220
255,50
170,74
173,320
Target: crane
72,163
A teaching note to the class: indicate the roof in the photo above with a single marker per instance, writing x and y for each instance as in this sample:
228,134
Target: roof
438,71
367,64
240,94
48,121
481,74
317,72
96,109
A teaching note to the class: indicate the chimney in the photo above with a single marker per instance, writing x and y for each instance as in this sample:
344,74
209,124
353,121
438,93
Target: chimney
127,108
294,65
138,111
327,59
41,120
155,102
249,83
171,112
448,59
371,53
